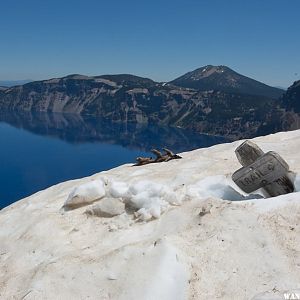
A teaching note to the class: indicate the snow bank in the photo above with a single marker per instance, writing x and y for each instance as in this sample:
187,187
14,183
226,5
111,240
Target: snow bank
221,187
149,199
201,239
85,194
297,183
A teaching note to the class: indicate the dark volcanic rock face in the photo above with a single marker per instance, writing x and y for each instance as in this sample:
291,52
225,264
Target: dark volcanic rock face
291,99
127,98
224,79
232,115
290,102
124,98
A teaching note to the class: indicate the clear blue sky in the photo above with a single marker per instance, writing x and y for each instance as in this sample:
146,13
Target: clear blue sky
160,39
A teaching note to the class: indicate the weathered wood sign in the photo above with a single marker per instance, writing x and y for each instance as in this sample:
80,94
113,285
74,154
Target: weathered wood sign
266,169
262,170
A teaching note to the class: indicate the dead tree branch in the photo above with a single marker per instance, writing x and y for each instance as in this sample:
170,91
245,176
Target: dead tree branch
169,155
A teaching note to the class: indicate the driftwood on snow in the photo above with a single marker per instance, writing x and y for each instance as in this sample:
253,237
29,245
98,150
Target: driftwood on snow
169,155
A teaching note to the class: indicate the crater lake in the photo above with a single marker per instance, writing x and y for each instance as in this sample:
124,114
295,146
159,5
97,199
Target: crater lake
39,150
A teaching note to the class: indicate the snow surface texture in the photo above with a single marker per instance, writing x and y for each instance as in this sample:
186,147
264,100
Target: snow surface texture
186,233
85,194
149,199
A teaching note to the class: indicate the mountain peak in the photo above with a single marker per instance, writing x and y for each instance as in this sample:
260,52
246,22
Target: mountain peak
207,71
224,79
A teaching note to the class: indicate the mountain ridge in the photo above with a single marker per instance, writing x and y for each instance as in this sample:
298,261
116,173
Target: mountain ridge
10,83
188,80
130,98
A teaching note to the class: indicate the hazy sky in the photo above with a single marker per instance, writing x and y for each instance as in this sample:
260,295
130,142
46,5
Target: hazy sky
160,39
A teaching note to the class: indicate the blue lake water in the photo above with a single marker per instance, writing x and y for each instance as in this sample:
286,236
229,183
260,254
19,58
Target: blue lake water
39,150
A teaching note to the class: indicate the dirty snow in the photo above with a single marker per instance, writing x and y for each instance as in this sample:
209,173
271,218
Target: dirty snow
187,232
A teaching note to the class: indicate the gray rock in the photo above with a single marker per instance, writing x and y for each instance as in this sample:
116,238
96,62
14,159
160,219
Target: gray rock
107,208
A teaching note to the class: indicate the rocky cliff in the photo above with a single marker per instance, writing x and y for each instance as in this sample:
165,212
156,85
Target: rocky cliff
290,102
129,98
291,99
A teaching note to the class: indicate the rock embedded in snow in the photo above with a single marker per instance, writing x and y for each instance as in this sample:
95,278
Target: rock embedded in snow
107,208
205,209
85,194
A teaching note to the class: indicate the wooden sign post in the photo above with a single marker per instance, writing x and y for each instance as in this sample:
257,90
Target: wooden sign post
262,170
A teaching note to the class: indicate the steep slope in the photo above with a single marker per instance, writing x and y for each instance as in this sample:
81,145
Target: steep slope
71,94
128,98
224,79
227,114
286,114
290,108
291,99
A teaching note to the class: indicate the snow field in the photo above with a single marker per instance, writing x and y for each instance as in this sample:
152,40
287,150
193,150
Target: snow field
207,248
150,199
